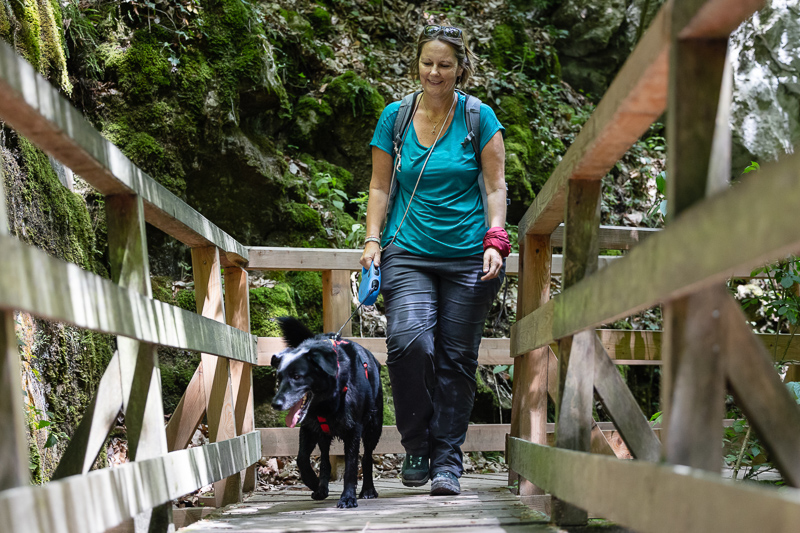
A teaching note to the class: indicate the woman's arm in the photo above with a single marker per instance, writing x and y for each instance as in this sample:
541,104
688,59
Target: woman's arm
376,205
493,159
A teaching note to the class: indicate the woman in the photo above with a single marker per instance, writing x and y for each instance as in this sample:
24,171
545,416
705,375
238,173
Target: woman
441,265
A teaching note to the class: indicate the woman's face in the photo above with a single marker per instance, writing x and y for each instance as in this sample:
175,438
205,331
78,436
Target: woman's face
438,68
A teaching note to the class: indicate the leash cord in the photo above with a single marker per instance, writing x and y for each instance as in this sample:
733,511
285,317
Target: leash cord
339,333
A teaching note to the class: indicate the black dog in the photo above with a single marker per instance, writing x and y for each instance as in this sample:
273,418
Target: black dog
332,388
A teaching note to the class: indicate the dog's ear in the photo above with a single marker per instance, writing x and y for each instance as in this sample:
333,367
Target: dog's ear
275,362
294,331
326,360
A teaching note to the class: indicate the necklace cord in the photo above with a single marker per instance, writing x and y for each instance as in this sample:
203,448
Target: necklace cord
408,206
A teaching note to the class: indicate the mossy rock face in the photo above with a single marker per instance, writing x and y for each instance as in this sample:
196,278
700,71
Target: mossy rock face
307,289
321,20
45,214
339,126
311,114
268,303
35,29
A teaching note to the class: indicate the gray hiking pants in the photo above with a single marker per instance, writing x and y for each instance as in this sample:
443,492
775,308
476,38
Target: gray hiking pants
435,310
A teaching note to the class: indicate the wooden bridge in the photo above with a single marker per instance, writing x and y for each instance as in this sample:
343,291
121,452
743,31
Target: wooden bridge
674,482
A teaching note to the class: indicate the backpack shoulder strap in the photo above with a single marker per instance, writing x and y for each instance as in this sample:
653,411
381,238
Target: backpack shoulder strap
403,120
472,118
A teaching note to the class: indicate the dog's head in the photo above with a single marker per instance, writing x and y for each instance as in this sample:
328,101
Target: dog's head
306,373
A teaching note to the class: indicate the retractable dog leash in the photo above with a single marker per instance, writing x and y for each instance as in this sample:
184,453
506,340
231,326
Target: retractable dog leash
368,291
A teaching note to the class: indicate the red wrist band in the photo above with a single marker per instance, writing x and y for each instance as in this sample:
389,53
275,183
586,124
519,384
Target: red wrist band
497,237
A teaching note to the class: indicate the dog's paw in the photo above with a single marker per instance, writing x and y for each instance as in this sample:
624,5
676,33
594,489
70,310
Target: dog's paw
320,494
368,494
347,502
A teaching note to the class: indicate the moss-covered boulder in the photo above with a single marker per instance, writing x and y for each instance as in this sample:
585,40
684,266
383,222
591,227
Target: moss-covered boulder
338,125
36,30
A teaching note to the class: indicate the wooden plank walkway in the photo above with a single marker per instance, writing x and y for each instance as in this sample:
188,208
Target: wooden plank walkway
485,505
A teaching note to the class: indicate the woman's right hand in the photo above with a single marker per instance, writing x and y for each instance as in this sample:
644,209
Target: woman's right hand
372,254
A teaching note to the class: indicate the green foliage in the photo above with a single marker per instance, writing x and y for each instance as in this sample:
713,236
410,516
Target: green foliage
321,20
351,91
268,303
779,301
753,166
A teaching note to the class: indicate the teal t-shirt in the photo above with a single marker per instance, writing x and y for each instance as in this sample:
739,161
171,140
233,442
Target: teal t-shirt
446,218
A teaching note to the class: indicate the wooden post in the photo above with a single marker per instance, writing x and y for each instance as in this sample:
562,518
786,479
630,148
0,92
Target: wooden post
529,388
336,308
13,446
692,384
140,378
336,301
215,370
576,354
237,314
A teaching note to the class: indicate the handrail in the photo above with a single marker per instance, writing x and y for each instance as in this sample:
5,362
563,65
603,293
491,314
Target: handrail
102,499
78,501
89,301
624,347
321,259
700,248
708,342
635,99
696,499
34,108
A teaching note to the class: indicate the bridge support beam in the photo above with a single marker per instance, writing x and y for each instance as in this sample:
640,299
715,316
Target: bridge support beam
529,393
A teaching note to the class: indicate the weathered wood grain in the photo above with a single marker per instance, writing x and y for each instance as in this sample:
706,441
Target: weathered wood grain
89,301
693,380
336,301
215,371
702,247
529,389
757,388
693,385
656,498
713,19
139,376
622,407
35,109
321,259
609,237
276,442
101,499
575,399
237,314
635,99
624,347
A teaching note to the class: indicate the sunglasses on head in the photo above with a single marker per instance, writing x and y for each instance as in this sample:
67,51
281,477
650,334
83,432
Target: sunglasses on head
447,31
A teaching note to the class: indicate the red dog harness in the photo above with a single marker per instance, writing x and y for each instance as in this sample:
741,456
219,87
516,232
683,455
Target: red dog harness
323,422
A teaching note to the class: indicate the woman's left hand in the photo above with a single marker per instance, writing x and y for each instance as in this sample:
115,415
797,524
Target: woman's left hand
492,263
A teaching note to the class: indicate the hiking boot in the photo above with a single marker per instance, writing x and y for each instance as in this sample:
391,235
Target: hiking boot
415,471
445,484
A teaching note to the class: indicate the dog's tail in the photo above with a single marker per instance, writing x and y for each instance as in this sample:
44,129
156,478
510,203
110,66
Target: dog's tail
294,331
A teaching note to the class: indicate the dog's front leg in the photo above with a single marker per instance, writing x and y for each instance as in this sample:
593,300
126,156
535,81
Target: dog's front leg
307,443
324,469
351,448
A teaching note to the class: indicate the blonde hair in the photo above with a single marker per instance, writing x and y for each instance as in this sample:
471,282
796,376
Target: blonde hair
464,56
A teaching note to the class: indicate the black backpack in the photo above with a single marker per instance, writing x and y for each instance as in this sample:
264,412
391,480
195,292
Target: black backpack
472,118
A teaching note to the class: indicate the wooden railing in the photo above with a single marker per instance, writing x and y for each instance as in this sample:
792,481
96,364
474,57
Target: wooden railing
712,231
77,500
